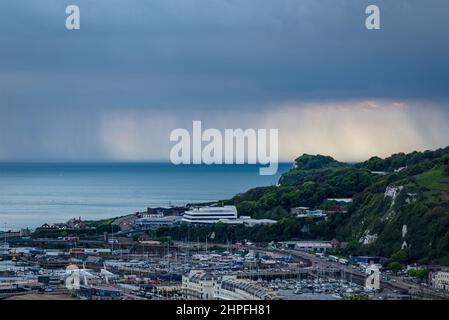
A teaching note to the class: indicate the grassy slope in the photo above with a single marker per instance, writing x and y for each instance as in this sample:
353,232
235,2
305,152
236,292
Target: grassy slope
434,180
422,205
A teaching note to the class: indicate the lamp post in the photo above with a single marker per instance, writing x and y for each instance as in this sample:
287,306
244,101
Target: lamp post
5,233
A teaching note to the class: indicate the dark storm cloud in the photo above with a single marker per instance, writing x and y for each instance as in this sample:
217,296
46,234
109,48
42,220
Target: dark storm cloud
187,56
185,53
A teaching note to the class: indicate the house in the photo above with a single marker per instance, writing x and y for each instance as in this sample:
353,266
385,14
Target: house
317,213
54,226
77,224
200,285
299,210
306,212
49,226
440,279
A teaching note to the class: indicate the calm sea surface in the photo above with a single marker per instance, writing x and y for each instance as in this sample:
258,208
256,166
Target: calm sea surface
32,194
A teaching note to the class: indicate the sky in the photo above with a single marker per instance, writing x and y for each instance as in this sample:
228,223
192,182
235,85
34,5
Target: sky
137,69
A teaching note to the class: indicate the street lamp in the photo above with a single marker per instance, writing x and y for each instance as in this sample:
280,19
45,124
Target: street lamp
4,231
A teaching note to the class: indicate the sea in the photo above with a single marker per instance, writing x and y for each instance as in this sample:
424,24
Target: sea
34,194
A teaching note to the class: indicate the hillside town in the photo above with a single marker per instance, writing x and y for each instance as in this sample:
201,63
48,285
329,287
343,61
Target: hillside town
124,261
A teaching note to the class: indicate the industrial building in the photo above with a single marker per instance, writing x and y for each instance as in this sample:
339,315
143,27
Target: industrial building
157,220
367,260
310,246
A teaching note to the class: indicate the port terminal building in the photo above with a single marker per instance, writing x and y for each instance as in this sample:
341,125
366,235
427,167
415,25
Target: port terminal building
225,214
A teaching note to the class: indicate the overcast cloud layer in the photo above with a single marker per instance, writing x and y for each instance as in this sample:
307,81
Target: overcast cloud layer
113,90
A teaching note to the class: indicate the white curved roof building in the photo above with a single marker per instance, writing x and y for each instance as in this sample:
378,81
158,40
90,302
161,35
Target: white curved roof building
210,214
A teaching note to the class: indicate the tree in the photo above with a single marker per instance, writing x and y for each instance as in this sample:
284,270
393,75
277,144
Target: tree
446,170
419,273
247,208
395,266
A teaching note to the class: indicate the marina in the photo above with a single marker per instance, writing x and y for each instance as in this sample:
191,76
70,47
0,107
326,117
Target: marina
230,271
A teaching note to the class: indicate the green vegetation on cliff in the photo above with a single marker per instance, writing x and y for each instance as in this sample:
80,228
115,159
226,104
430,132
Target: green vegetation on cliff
402,214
